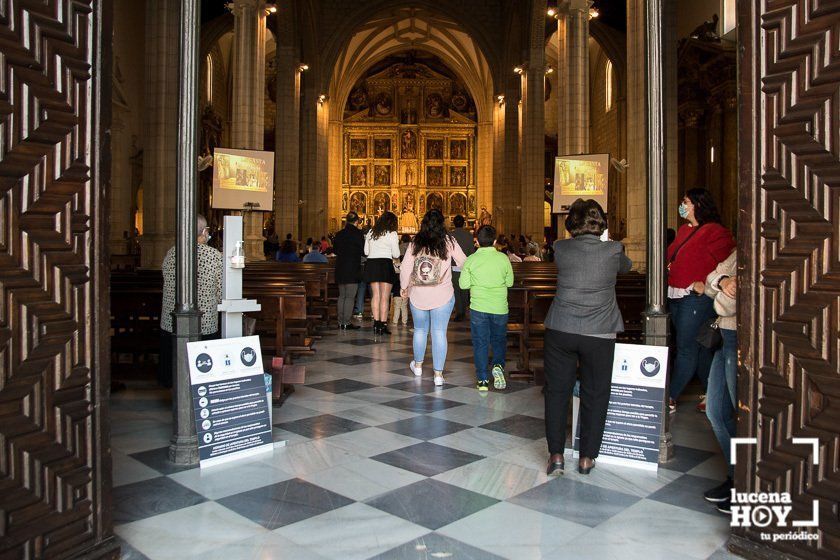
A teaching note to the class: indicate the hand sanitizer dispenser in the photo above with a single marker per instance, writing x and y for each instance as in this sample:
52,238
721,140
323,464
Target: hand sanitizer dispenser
233,306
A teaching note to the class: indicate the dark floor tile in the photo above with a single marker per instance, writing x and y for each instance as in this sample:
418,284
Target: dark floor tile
427,458
419,385
432,503
686,458
422,404
323,426
424,427
362,342
140,500
158,459
435,545
284,503
687,491
128,552
352,360
340,386
579,502
518,425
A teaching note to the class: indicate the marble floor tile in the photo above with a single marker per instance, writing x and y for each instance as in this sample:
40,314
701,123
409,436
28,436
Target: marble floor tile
424,427
422,404
269,545
533,455
687,492
378,395
128,470
686,458
322,426
308,457
376,415
435,545
481,441
371,441
655,524
427,458
354,532
352,360
715,467
431,503
636,482
584,504
472,415
723,554
128,552
363,479
231,478
494,478
340,386
515,532
189,531
290,412
420,386
519,425
133,442
149,498
290,438
158,459
284,503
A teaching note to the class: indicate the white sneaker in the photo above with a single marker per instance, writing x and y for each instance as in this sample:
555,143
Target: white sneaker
417,370
439,380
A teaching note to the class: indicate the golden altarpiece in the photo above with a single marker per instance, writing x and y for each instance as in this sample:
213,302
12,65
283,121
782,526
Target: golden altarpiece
409,146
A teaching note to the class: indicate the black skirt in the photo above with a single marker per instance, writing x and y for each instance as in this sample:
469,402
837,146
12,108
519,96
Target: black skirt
379,270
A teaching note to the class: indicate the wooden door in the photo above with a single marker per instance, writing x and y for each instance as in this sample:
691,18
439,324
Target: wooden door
789,267
54,378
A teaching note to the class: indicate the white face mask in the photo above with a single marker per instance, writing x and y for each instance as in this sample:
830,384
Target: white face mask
606,235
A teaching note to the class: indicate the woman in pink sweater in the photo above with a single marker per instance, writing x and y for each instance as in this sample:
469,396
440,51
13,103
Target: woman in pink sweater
426,277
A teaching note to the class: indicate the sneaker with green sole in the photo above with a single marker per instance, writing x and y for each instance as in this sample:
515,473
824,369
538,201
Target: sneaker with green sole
483,385
499,377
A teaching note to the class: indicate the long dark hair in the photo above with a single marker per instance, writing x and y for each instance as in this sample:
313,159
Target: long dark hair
705,210
385,223
432,236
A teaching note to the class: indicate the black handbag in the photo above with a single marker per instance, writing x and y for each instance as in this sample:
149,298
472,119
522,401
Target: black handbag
708,335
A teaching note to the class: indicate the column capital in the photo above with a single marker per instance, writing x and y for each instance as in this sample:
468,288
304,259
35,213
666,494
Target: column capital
568,6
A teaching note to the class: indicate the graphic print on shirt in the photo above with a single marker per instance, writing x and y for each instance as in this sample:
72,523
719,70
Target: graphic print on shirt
427,270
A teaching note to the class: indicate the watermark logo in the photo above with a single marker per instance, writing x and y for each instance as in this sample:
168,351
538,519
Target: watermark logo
773,509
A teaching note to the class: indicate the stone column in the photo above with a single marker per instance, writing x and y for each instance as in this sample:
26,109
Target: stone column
248,101
670,87
484,165
635,242
532,188
574,101
504,212
119,216
334,213
287,127
161,130
693,172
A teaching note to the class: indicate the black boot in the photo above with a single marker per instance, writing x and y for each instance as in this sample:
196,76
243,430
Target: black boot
383,327
377,327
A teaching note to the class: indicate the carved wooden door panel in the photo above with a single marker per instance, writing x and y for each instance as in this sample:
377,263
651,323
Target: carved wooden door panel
789,278
54,456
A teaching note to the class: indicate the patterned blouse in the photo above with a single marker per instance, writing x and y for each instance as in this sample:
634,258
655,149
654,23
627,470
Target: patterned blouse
209,269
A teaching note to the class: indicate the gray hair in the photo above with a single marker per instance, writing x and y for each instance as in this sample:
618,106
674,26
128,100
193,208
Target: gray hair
200,223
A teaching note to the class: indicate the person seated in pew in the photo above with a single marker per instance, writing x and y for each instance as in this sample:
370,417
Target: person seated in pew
487,274
210,265
314,255
532,251
288,252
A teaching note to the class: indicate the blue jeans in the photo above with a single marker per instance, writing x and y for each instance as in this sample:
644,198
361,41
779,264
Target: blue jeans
687,314
359,307
436,320
489,330
721,398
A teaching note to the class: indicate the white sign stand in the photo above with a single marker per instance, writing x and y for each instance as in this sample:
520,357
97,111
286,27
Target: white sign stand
233,306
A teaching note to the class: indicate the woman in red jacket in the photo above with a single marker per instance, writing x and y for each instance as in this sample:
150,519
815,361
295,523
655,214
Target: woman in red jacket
698,248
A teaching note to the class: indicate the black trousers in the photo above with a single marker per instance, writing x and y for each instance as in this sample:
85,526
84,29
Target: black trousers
564,352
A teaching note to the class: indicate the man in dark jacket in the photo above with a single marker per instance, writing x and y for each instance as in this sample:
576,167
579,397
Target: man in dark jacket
465,241
349,246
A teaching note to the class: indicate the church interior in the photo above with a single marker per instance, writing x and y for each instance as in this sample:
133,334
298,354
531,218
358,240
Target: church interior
122,125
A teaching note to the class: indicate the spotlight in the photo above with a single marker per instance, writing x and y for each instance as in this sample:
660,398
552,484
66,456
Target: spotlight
321,99
501,99
270,8
551,12
549,70
303,67
518,69
593,13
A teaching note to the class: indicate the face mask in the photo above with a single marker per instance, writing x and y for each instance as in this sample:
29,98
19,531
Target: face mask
208,237
683,210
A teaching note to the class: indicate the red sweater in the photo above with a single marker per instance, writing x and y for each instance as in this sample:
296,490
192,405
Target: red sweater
710,245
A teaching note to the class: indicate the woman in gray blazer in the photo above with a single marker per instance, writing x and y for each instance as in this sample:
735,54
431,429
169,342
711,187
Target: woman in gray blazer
580,332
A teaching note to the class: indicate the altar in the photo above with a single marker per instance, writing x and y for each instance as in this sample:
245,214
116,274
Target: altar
409,141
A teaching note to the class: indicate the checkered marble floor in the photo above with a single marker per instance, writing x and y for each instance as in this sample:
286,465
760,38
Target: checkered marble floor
380,464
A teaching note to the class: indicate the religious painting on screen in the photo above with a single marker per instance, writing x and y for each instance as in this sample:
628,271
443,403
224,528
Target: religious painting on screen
409,143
